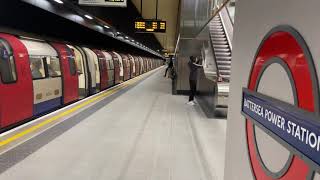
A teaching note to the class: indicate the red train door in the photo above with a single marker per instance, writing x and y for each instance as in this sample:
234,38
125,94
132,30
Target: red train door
145,65
16,89
116,68
126,67
131,60
103,70
136,62
69,73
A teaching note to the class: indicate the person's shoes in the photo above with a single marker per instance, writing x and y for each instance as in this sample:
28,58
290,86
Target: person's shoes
191,103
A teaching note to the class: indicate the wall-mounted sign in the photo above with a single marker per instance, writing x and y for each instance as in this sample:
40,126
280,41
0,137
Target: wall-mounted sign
150,26
108,3
297,127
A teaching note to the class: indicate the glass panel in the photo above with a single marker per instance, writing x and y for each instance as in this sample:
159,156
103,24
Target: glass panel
111,64
231,9
78,60
53,66
108,65
102,67
72,62
37,67
7,63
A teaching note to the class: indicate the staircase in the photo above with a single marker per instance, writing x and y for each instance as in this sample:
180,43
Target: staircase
221,48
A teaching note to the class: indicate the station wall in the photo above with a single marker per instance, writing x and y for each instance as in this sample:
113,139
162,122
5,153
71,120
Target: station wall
253,21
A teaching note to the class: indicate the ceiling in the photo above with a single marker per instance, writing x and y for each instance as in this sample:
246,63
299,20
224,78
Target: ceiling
168,10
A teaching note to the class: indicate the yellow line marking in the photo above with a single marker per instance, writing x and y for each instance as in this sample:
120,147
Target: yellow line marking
67,112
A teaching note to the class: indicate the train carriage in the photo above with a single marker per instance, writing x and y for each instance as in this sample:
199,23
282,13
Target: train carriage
150,64
94,73
110,68
37,76
16,90
137,65
145,64
141,63
68,71
117,68
102,69
132,66
126,67
46,75
120,62
84,75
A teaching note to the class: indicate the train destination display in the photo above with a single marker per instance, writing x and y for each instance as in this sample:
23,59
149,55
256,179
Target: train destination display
112,3
298,128
149,26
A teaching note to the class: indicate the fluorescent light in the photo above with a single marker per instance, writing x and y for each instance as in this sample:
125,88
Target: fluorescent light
87,16
127,37
58,1
132,40
106,26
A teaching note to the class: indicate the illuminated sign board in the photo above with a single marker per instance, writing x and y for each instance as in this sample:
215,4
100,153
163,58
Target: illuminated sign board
150,26
112,3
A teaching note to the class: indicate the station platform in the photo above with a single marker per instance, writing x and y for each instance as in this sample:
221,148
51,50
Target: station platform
134,131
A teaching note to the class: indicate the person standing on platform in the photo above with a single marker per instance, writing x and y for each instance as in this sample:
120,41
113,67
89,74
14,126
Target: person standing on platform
194,65
170,66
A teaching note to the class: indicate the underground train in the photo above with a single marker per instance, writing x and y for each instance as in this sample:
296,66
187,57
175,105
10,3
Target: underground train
38,76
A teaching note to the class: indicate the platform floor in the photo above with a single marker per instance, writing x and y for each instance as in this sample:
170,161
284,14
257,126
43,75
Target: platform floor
144,134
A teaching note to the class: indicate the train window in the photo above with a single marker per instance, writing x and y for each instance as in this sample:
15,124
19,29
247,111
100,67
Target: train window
7,64
107,63
101,64
111,64
37,67
72,62
53,64
78,61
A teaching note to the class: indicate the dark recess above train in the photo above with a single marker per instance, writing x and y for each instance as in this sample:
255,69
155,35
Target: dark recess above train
63,21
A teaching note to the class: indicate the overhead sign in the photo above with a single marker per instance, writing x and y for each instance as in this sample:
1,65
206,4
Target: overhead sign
107,3
299,128
150,26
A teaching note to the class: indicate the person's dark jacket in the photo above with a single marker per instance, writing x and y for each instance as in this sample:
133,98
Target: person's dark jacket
170,65
193,70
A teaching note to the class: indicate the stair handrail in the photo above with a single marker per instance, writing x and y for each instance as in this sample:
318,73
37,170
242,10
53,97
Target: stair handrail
213,54
226,28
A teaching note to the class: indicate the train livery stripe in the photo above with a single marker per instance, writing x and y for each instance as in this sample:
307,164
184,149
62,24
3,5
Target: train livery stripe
46,106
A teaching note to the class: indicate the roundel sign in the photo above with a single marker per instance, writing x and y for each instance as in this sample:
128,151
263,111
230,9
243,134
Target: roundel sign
295,126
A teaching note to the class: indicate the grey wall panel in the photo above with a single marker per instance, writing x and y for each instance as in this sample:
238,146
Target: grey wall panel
194,15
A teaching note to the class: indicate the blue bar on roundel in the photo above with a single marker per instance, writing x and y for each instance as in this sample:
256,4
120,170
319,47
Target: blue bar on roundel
298,128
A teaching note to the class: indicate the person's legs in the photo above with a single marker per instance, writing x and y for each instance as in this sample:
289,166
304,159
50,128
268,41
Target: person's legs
165,74
192,89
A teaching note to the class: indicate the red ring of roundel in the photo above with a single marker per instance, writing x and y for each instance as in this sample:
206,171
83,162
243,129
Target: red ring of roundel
283,44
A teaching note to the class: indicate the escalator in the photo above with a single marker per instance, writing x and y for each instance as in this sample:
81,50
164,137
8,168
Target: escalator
221,48
217,56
